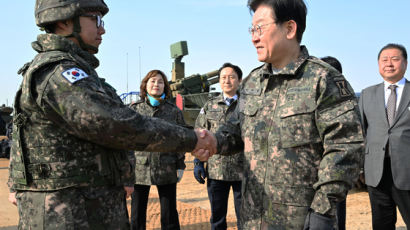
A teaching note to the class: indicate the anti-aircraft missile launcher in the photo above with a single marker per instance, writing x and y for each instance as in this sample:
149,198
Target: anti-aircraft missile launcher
191,92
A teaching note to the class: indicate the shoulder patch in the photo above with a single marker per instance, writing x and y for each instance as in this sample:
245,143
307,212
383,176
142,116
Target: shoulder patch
74,74
343,90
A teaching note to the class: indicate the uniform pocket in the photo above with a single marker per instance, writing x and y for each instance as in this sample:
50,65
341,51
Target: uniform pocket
214,118
298,127
291,195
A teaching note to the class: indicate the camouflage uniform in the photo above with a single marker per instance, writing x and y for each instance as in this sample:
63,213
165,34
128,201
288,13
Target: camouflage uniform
68,163
214,113
158,168
302,142
223,172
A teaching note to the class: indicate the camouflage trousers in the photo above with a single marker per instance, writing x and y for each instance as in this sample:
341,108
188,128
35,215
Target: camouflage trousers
277,217
73,208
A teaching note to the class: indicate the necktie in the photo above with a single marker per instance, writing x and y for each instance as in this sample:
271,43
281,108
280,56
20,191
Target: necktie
391,104
229,100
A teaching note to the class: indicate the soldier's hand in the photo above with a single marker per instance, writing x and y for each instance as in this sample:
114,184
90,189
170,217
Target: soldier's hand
199,171
206,145
128,190
12,198
317,221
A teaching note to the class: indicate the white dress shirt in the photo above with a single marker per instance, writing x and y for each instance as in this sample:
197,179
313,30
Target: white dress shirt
399,91
235,97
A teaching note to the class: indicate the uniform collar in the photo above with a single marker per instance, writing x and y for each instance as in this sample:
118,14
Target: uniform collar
235,97
53,42
291,68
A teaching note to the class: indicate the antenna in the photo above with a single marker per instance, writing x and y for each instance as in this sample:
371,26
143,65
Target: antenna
127,77
139,54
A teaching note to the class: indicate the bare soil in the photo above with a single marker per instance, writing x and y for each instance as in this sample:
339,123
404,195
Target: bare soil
193,205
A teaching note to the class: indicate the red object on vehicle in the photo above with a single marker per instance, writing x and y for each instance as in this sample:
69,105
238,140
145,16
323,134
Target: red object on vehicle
179,101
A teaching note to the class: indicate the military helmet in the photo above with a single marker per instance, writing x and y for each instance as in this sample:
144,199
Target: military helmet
51,11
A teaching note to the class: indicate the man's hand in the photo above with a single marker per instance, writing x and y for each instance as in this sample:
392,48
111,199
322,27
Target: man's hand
199,171
12,198
206,145
316,221
128,190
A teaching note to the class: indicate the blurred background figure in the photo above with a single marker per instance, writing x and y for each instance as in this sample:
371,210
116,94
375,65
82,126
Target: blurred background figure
161,169
341,206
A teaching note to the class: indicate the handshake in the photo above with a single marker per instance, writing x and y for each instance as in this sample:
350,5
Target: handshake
206,145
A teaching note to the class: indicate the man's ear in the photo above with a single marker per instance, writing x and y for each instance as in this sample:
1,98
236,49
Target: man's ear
64,27
291,28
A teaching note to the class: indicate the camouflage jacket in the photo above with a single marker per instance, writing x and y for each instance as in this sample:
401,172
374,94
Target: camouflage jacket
302,139
158,168
71,129
214,113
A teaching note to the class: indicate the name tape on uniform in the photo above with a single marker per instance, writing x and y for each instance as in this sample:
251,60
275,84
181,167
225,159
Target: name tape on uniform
74,74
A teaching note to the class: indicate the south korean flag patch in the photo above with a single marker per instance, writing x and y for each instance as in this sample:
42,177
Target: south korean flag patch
74,74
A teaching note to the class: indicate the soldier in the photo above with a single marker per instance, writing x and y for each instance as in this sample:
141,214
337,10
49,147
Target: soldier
341,206
299,123
68,163
223,172
158,169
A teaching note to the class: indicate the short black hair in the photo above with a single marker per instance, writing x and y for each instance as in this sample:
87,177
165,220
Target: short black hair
236,68
333,62
394,46
285,10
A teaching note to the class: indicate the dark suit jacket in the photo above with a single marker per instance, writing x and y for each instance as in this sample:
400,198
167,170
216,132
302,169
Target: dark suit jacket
379,135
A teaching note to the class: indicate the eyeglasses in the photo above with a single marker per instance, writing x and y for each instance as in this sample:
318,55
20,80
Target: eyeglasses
98,19
257,29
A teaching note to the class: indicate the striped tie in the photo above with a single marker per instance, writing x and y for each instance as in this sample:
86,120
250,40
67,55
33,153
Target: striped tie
391,104
229,100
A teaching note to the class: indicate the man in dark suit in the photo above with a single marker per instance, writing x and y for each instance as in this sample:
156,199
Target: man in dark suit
385,110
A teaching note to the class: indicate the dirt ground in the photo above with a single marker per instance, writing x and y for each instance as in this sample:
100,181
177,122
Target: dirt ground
193,206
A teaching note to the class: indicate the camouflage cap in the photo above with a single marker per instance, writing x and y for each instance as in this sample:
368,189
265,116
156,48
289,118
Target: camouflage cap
50,11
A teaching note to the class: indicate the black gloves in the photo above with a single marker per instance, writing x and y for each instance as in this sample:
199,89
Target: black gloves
199,171
316,221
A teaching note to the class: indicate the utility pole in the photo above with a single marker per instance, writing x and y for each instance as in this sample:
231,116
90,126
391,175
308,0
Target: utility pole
139,54
127,78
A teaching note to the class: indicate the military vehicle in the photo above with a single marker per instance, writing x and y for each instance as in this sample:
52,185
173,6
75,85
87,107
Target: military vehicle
5,113
5,122
192,92
189,93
